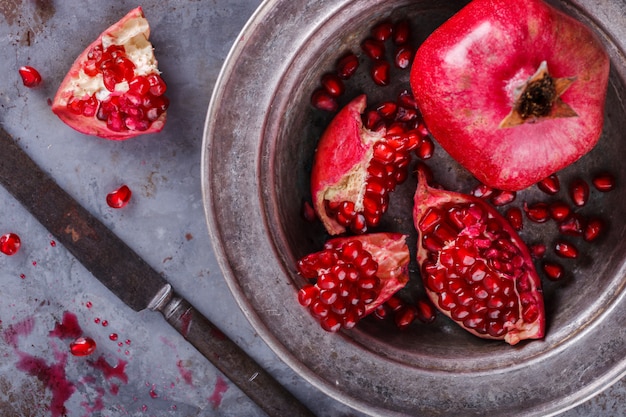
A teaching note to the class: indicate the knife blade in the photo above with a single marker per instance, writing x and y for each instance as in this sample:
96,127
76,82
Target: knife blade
132,279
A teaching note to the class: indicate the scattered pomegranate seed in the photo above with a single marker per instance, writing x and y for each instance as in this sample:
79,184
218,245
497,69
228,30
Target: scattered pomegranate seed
308,212
387,110
559,210
538,250
566,250
83,346
333,85
30,76
572,225
405,316
553,270
10,243
119,198
579,192
514,216
501,198
381,312
402,32
347,65
593,229
321,100
382,31
403,57
426,149
373,48
550,185
482,191
604,182
380,72
426,312
394,303
537,212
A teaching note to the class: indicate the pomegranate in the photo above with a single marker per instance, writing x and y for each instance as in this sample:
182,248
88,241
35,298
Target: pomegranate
475,268
30,76
114,89
355,169
352,276
512,90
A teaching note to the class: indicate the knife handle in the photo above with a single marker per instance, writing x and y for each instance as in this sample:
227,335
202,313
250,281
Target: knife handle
231,360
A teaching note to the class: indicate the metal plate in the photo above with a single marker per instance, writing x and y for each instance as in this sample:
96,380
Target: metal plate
260,136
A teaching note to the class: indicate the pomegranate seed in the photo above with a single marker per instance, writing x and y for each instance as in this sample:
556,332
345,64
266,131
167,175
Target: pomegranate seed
426,149
426,312
307,211
572,225
559,210
382,31
10,243
333,85
381,312
307,294
119,198
604,182
537,250
550,185
157,85
514,216
401,32
139,85
83,346
501,197
593,229
373,120
387,109
404,316
126,68
566,250
482,191
380,72
30,76
553,271
394,303
406,99
373,49
347,66
403,57
537,212
579,192
323,101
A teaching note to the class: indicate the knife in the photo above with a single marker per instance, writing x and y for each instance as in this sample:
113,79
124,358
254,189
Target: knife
131,279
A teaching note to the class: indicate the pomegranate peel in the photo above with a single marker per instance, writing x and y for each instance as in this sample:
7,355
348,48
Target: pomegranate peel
513,91
475,268
114,89
353,276
341,161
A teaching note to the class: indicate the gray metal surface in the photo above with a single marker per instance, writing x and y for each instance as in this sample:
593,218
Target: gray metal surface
256,180
164,223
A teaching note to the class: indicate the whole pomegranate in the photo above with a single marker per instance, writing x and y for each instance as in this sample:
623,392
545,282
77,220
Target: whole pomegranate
352,276
355,169
114,89
475,267
512,90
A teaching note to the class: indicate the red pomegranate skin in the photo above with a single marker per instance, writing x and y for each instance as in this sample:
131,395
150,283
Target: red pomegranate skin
464,79
341,159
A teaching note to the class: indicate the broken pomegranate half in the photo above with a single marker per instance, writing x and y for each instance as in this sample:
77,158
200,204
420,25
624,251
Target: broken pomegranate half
512,90
114,89
475,267
352,276
355,169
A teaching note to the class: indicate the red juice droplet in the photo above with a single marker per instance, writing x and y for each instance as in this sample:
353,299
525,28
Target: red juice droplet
30,76
83,346
105,323
153,393
113,336
221,386
53,243
10,243
119,198
127,342
88,304
22,276
96,320
118,371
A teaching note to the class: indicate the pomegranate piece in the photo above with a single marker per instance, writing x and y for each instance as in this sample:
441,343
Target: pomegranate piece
544,95
352,277
10,243
30,76
114,89
475,268
119,198
355,169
